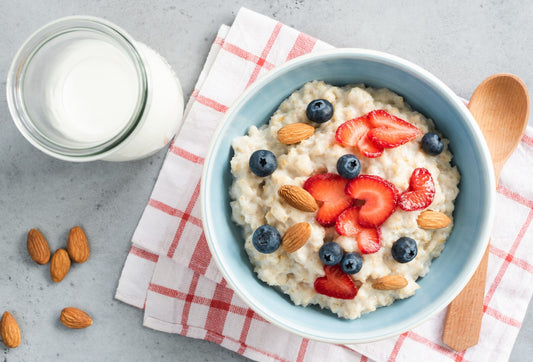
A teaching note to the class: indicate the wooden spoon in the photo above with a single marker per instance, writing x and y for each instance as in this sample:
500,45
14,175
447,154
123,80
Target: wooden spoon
500,105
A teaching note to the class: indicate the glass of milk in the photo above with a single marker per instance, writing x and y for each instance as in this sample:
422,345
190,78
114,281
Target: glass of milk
81,89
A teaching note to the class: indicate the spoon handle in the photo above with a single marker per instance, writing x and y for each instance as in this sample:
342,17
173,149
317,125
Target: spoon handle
465,313
463,321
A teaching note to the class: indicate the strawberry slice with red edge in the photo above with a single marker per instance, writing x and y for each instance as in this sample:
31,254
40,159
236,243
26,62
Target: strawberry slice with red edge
347,223
336,283
420,193
368,148
368,239
388,131
379,199
328,188
354,133
393,187
350,132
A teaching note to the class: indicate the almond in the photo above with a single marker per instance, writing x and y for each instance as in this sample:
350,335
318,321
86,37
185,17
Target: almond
77,245
75,318
295,132
59,265
390,282
296,237
38,247
298,198
429,219
9,330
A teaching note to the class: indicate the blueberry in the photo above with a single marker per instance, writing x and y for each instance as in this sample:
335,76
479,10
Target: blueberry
263,163
432,144
348,166
330,253
319,111
351,263
266,239
404,250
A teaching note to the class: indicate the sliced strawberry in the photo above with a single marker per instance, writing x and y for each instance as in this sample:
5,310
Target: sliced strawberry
420,193
368,240
354,133
328,212
336,283
350,132
329,189
379,197
393,187
388,131
347,223
368,148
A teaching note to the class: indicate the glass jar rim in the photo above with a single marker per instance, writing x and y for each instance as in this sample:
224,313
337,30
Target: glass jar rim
23,58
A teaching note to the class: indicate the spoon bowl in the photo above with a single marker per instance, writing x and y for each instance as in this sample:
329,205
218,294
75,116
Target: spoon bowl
500,105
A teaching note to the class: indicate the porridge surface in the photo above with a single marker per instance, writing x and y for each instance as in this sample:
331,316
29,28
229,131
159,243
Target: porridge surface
255,200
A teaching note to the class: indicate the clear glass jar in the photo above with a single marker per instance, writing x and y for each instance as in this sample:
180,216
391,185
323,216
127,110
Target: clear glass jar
81,89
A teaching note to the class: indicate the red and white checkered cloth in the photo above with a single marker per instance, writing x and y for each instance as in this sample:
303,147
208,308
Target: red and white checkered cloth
170,274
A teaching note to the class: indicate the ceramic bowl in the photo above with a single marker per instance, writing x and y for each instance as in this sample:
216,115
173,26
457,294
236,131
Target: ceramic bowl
449,273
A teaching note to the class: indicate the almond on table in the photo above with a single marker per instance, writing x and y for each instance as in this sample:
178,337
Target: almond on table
9,330
77,245
75,318
38,247
59,265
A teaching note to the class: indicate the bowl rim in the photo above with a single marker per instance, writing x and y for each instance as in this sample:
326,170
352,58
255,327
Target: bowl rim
410,68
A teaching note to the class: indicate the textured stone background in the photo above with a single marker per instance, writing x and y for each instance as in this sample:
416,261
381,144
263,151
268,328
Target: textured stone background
461,42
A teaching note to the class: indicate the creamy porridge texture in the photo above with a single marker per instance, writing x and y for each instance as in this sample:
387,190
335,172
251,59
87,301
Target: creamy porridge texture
256,200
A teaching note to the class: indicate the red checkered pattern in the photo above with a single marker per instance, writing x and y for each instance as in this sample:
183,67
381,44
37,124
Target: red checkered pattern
170,274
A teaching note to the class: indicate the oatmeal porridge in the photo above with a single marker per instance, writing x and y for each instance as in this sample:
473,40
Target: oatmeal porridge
344,197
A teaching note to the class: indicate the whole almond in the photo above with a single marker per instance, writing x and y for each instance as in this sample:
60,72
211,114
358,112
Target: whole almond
429,219
59,265
75,318
295,132
9,330
390,282
77,245
296,237
38,247
298,198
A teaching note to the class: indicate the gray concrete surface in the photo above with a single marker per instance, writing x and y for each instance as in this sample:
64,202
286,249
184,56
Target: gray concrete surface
460,41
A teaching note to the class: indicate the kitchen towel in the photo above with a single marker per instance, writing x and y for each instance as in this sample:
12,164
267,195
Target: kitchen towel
169,271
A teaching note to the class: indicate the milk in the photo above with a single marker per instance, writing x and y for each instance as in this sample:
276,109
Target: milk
92,91
163,114
81,89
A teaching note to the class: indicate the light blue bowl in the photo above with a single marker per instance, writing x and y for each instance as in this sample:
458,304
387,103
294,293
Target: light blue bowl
473,213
